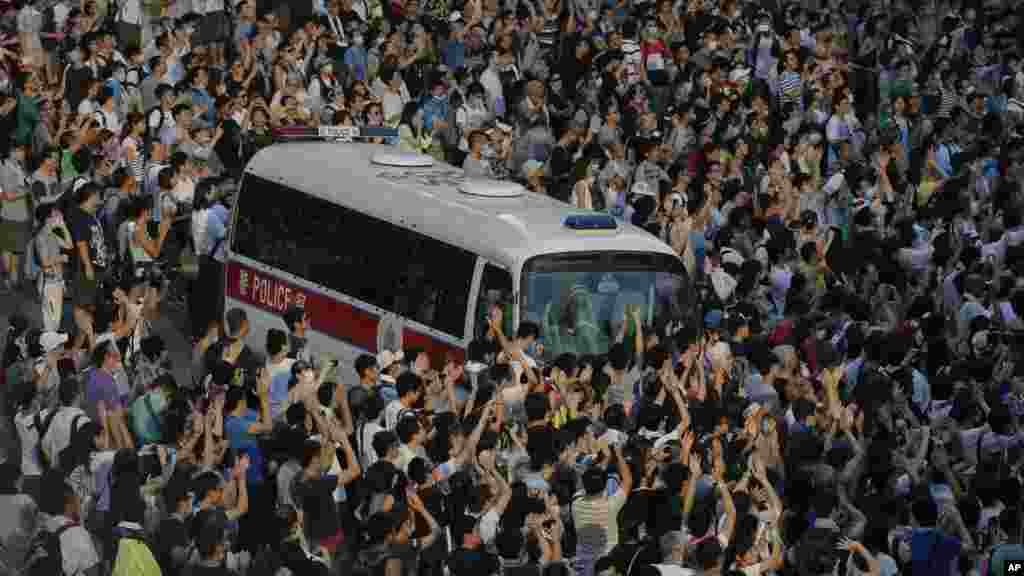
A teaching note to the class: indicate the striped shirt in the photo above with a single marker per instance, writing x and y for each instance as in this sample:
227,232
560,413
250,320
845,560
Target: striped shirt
947,101
549,33
597,528
791,89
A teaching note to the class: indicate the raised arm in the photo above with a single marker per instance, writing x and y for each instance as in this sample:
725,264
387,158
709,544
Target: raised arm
624,471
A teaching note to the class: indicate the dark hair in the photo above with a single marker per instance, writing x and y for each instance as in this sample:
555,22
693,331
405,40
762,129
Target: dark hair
277,341
536,405
86,192
69,391
528,329
363,363
234,396
407,383
325,393
406,429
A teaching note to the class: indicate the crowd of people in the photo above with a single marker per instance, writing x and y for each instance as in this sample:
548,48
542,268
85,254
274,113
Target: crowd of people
841,179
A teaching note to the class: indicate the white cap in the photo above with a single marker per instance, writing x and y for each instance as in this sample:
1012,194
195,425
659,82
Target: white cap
50,341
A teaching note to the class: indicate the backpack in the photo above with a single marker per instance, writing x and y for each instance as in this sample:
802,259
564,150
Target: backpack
42,425
45,557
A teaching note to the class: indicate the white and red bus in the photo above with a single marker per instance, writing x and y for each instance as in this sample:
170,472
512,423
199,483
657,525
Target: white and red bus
387,250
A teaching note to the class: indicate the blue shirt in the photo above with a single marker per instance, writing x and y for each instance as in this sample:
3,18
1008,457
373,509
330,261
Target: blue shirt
217,226
454,54
200,97
355,57
236,428
433,108
280,375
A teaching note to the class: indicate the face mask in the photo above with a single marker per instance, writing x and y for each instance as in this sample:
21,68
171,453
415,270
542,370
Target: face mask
531,350
357,40
487,151
440,98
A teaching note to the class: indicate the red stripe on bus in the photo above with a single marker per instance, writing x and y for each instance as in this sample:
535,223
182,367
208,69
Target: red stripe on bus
436,349
333,318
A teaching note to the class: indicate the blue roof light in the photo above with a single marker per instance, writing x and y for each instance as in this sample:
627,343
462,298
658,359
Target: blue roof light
591,221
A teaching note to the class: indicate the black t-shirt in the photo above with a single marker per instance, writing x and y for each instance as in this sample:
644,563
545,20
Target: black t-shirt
173,533
85,227
540,443
316,497
247,361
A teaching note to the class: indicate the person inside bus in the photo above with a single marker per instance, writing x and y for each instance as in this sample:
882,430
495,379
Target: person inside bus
572,327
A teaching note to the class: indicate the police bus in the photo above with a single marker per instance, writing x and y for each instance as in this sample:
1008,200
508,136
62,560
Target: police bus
387,250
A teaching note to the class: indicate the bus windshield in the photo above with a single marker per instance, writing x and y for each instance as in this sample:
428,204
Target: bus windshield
580,300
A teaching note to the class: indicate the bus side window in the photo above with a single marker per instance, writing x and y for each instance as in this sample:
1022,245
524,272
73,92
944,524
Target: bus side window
438,281
495,289
369,259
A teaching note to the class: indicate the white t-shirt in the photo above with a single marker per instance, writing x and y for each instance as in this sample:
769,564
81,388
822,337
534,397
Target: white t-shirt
367,455
28,437
76,546
391,414
86,107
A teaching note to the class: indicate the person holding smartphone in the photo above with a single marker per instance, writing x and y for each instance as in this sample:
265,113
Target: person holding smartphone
50,242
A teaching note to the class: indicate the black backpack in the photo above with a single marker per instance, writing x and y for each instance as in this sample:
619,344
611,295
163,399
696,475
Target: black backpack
45,557
42,427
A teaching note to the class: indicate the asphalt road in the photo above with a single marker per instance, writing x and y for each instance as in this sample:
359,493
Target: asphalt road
172,326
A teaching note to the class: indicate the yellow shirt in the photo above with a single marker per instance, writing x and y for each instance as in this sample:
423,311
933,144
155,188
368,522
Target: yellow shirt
134,558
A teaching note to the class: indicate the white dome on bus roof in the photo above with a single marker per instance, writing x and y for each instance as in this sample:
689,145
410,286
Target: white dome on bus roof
492,188
403,159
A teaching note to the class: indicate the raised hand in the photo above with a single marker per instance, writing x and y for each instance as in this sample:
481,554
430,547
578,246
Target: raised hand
695,466
848,545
